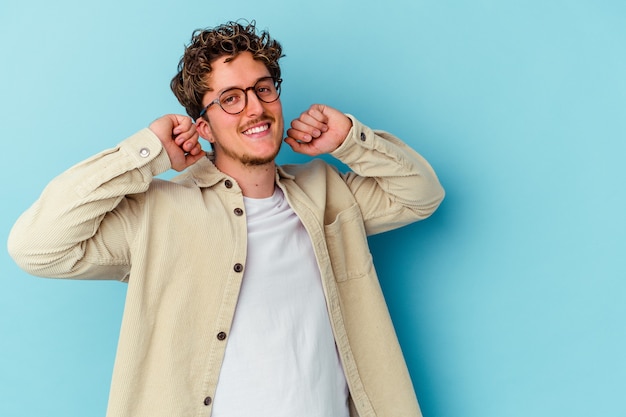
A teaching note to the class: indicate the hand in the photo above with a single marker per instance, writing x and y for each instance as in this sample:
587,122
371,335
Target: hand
320,129
180,140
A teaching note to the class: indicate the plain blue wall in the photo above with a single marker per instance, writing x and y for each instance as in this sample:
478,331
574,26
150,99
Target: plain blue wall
509,302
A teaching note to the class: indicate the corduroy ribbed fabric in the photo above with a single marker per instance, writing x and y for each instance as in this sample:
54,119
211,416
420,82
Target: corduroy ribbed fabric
181,246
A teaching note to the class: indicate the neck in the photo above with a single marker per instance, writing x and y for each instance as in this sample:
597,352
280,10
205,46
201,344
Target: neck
255,181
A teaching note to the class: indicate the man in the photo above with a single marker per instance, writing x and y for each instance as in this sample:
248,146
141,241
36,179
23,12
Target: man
251,289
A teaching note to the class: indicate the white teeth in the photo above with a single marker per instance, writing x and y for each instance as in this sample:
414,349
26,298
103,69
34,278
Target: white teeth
257,129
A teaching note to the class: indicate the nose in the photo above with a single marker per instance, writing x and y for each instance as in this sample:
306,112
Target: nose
255,106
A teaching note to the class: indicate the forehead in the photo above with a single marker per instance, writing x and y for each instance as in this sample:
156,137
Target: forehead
241,71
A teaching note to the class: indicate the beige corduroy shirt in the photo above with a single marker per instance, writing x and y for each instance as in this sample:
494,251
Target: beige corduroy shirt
181,247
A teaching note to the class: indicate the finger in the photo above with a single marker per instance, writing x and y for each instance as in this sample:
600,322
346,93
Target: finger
192,147
316,111
182,124
295,144
301,147
311,121
299,135
306,131
314,119
194,155
189,135
189,145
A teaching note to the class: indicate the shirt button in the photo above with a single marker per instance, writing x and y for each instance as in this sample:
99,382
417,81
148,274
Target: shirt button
221,336
238,211
208,401
238,267
144,152
228,184
363,137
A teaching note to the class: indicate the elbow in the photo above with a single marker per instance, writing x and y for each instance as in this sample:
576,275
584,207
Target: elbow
430,205
26,258
426,200
17,250
64,263
34,259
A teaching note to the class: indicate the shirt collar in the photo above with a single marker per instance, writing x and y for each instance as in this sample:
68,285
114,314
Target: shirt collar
205,173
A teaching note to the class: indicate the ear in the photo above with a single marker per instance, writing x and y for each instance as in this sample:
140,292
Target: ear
204,129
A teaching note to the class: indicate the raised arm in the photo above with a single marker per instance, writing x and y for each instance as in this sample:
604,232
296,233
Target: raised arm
393,184
84,221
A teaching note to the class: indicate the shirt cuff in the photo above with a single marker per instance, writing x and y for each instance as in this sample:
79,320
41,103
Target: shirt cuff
145,148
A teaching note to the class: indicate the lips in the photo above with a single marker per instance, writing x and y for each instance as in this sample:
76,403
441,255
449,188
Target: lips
257,129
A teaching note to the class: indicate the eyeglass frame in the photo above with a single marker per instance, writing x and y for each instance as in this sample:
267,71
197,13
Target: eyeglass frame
277,82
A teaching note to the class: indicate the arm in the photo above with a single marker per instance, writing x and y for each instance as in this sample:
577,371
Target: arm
393,184
83,223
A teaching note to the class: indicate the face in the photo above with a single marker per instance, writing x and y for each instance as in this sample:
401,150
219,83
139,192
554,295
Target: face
252,137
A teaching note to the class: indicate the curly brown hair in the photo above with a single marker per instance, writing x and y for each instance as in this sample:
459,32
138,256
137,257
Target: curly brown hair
230,39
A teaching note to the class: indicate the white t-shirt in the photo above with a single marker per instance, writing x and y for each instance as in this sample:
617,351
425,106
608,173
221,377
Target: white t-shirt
281,359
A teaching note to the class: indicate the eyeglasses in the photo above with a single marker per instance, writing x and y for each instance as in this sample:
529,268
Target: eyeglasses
235,100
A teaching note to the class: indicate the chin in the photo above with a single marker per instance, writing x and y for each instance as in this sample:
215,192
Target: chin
256,160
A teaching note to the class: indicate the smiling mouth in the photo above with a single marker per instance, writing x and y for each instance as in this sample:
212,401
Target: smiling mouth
257,129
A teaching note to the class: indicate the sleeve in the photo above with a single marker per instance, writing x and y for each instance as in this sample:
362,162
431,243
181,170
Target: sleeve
392,183
83,223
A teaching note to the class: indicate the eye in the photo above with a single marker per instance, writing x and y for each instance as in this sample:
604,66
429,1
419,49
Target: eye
231,98
265,88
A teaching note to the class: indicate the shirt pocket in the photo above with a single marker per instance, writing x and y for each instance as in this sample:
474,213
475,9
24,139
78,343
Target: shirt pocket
347,245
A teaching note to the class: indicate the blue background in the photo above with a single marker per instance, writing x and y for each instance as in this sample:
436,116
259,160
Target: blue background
510,301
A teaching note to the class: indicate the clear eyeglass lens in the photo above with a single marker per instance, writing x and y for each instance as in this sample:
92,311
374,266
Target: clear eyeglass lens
266,90
233,101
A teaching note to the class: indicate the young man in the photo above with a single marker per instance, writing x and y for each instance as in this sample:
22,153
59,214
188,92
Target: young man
251,289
